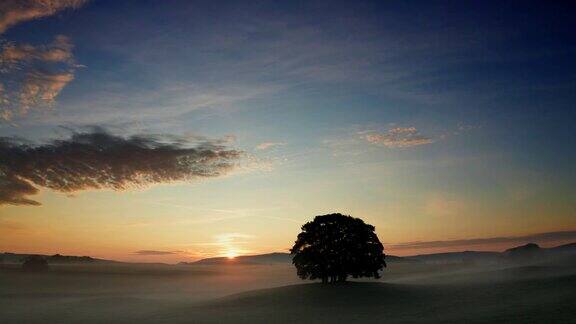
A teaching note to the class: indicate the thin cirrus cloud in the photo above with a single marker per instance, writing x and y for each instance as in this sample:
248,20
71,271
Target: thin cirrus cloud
13,12
33,76
96,159
59,51
399,137
156,253
268,145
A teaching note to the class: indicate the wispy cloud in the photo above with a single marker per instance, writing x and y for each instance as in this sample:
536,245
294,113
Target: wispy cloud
155,252
99,160
228,238
537,238
33,76
399,137
232,244
268,145
13,12
59,51
163,105
443,205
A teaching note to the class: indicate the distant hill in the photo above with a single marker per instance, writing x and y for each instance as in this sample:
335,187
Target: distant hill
516,254
394,258
520,253
7,257
269,258
458,257
566,248
523,253
528,248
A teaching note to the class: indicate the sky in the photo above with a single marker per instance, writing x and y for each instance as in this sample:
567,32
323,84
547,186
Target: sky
170,131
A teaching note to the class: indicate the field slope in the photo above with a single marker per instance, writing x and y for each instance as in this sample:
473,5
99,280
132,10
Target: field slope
544,299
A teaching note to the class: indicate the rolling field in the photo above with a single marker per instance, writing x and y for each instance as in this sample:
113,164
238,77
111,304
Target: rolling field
407,293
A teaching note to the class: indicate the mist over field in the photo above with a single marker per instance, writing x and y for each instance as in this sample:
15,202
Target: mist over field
472,291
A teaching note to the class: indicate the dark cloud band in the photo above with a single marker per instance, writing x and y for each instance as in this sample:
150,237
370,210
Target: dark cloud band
99,160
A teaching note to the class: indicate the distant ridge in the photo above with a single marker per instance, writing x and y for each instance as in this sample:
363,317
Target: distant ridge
527,251
519,253
8,257
530,247
458,257
269,258
570,247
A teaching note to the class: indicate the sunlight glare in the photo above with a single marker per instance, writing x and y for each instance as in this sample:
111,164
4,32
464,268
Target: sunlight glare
231,254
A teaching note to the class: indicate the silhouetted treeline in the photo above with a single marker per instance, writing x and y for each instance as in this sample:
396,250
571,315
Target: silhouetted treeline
56,258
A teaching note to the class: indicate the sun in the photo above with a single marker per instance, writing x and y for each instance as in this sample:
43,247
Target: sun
231,254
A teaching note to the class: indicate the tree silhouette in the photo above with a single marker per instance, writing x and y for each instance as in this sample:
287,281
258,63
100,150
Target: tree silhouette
35,263
335,246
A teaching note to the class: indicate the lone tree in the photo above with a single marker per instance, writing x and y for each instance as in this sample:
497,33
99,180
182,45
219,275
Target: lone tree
335,246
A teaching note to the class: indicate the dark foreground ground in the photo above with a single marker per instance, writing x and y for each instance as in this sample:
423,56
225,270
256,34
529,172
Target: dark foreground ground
408,293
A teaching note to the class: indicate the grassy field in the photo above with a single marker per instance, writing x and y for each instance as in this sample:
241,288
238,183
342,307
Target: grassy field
408,293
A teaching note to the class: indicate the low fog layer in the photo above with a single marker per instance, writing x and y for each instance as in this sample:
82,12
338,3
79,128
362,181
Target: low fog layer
123,293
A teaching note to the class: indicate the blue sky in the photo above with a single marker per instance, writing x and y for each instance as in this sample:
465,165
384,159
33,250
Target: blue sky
432,119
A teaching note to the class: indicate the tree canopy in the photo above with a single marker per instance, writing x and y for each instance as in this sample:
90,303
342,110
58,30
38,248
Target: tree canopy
335,246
